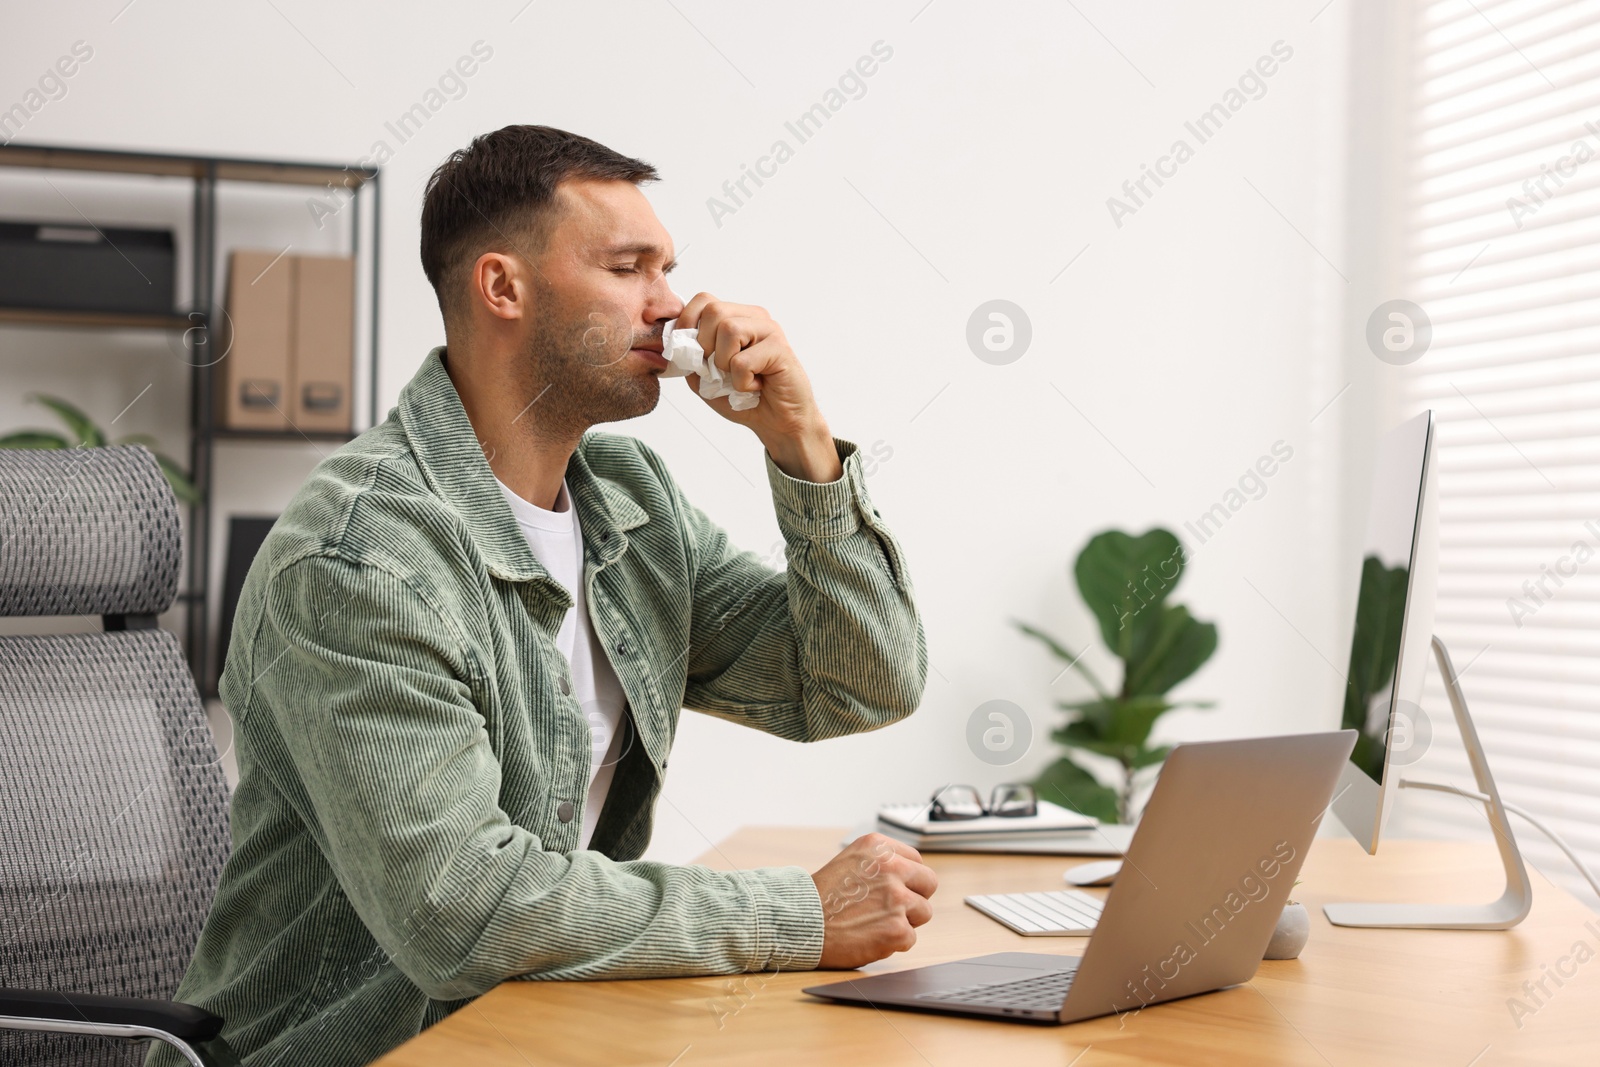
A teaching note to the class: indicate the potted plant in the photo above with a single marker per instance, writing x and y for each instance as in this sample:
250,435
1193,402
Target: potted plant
1125,581
85,434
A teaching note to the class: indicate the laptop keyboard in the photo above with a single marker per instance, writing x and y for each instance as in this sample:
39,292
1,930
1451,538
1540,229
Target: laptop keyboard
1044,992
1063,911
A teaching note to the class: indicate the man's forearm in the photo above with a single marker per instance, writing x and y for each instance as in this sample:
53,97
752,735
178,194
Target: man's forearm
831,645
811,455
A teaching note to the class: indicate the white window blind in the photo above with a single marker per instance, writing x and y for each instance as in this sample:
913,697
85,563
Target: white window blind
1500,245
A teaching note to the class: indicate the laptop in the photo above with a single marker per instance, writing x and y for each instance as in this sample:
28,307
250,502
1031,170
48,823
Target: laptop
1204,880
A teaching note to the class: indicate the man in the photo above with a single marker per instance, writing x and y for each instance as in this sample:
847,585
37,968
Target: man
459,658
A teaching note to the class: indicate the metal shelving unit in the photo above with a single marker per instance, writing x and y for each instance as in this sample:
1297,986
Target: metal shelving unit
207,172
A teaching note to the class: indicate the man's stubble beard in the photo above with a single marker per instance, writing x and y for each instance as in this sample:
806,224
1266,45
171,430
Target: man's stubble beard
577,372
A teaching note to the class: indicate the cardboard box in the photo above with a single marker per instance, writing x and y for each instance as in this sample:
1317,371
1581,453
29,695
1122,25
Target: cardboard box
252,377
322,369
290,362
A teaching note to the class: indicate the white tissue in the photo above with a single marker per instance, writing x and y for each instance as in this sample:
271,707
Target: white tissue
684,356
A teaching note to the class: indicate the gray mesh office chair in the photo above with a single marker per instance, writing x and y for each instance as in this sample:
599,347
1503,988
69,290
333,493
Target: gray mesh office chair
113,805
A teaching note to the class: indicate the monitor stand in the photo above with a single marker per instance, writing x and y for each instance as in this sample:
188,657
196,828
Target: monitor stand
1514,903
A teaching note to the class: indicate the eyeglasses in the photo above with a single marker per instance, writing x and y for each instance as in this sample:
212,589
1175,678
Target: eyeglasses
1009,800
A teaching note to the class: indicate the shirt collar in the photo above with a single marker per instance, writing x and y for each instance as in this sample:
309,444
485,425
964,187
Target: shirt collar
455,467
562,519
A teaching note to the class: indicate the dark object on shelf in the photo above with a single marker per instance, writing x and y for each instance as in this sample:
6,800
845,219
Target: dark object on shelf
245,535
66,266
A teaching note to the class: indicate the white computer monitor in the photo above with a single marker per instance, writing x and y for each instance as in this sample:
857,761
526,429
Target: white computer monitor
1394,624
1388,662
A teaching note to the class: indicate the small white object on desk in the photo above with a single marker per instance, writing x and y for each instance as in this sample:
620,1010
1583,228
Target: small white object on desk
1102,872
1059,913
1111,839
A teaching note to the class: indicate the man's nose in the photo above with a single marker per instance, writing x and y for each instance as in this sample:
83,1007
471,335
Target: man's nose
675,305
659,311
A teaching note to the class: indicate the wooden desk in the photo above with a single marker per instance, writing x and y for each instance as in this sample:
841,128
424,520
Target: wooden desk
1355,997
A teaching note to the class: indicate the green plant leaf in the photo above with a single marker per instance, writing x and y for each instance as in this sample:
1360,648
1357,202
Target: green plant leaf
1075,662
1098,713
1072,787
1134,719
1119,733
1081,733
79,423
1121,577
138,439
34,439
1150,757
1178,645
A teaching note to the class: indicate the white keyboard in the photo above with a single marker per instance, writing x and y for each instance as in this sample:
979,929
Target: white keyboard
1057,913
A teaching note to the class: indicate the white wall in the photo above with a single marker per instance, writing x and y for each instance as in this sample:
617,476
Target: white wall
976,166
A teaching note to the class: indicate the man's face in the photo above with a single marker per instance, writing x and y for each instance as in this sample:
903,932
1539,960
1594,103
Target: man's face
599,291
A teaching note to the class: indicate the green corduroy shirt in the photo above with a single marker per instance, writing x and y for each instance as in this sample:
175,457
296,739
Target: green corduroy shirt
413,766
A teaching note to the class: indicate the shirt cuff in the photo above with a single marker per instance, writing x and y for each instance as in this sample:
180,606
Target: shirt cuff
821,510
789,921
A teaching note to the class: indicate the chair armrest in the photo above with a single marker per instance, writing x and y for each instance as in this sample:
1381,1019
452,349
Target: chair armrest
183,1021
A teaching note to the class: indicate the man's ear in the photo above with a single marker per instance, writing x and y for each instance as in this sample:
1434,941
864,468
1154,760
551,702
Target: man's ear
497,285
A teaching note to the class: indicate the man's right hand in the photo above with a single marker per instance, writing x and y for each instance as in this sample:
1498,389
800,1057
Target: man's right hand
874,894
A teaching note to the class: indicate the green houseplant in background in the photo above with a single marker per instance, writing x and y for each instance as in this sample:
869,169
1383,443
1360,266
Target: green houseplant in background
1125,581
85,434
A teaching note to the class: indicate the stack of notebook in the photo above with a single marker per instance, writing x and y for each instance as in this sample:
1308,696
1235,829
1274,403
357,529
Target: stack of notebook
1053,829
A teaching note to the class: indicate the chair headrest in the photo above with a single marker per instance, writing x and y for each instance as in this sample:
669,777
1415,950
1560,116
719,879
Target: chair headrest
87,531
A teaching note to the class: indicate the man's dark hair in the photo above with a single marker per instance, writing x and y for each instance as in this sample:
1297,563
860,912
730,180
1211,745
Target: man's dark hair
497,194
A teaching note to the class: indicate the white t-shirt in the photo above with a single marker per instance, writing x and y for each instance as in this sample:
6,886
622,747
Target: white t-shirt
556,539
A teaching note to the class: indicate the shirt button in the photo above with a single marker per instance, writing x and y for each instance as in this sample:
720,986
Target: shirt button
566,686
564,811
622,646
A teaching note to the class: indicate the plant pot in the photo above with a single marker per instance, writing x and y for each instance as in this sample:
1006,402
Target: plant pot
1294,927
